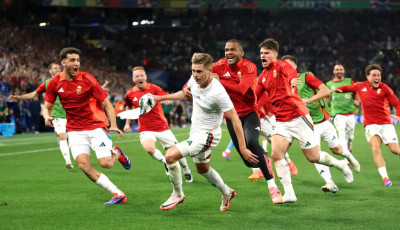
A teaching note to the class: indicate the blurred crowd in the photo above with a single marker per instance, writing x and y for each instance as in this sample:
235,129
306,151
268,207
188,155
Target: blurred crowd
318,39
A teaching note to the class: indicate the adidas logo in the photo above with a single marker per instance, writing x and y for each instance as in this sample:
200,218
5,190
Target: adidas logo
61,90
258,128
263,80
227,74
102,144
365,90
135,99
307,144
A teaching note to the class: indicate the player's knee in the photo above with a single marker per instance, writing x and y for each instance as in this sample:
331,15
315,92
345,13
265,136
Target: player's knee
170,159
149,149
84,166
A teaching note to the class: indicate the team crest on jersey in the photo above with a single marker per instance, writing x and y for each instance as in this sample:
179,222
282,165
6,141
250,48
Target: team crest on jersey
78,89
378,91
239,75
274,73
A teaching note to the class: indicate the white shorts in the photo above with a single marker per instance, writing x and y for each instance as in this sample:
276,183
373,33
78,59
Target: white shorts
301,128
267,126
345,125
166,138
82,141
199,144
59,125
327,132
386,132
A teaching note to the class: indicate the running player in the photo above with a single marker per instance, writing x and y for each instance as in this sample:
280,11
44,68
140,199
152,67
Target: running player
153,125
83,99
375,97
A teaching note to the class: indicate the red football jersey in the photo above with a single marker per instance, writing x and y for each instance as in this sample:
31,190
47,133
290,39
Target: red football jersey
264,106
240,82
155,119
81,99
275,80
374,102
41,89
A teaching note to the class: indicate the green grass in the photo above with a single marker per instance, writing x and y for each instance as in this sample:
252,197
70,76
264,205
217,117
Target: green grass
42,194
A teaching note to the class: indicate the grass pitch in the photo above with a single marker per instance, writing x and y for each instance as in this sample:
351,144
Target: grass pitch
38,192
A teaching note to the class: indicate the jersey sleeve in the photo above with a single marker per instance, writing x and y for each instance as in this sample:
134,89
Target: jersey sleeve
259,87
313,81
158,90
41,89
222,99
98,91
349,88
394,101
249,73
288,71
51,91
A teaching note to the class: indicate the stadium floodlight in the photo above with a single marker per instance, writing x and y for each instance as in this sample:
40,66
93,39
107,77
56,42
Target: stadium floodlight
43,24
135,23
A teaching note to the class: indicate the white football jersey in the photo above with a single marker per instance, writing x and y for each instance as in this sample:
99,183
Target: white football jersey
209,104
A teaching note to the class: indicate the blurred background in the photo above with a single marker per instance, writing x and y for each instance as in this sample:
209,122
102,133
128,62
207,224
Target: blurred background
162,35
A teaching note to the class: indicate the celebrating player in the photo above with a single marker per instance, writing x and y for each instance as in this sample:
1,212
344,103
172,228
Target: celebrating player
152,125
342,107
210,102
83,100
313,92
239,77
292,116
375,97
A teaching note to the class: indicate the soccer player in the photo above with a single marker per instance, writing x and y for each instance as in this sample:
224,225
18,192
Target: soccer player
239,77
83,99
58,113
153,125
343,107
210,103
267,122
313,92
375,97
292,116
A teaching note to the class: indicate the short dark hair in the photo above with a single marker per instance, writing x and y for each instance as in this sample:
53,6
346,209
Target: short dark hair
51,65
203,58
371,67
291,58
68,50
270,43
237,42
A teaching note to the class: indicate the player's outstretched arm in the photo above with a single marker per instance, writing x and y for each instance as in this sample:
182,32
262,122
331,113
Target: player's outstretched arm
27,96
111,115
237,126
174,96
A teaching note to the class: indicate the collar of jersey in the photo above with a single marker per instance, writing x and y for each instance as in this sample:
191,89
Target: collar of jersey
78,77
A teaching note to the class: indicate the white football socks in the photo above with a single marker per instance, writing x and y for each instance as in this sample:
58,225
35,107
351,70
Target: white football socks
65,151
175,176
215,179
158,156
324,172
382,171
283,172
105,183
